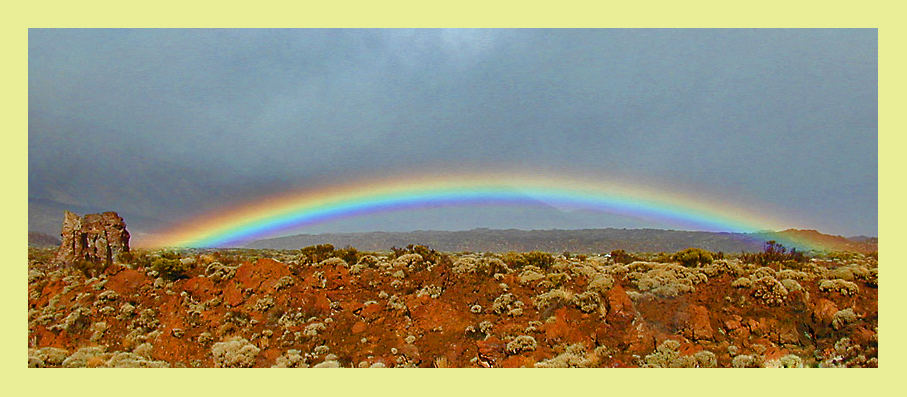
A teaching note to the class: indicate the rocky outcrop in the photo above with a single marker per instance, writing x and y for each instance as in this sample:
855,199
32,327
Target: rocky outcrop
97,238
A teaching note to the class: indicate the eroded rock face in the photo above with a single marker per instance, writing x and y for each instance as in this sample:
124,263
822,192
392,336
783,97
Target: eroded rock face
97,238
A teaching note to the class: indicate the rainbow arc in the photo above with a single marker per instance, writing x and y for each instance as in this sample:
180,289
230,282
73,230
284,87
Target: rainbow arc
287,212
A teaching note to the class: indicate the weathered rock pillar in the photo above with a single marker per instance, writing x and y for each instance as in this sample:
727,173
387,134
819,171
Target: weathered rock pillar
97,238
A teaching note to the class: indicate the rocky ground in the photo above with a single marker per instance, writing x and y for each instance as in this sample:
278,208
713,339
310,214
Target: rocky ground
411,308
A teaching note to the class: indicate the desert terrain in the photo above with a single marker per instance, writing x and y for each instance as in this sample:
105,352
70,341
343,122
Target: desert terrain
415,307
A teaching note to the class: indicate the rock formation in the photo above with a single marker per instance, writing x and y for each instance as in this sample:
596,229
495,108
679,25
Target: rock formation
97,238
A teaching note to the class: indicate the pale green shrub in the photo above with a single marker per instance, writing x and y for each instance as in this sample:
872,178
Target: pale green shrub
770,291
235,352
842,287
522,343
745,361
842,318
574,356
742,282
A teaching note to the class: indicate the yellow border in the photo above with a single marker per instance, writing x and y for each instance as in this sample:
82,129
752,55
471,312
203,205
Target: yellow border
471,13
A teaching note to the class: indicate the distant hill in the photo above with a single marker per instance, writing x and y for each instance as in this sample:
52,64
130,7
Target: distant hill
576,241
835,243
38,239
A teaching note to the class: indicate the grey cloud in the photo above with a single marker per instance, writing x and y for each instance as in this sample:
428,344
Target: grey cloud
173,122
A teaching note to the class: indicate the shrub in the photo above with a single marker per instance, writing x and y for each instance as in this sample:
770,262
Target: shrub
492,266
769,290
133,360
773,252
666,355
412,261
742,282
552,299
428,255
717,267
619,256
169,266
601,283
333,261
842,318
692,257
290,359
745,361
842,287
665,280
587,302
574,356
794,275
539,259
507,303
791,285
706,359
93,356
52,355
791,361
348,254
522,343
135,258
367,260
235,352
217,271
764,272
88,268
465,265
317,253
529,275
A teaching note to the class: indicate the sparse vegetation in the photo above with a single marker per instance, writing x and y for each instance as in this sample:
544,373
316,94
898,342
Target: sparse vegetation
692,257
538,259
619,256
282,308
775,253
171,266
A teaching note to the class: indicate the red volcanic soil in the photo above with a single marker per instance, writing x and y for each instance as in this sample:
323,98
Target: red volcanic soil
455,311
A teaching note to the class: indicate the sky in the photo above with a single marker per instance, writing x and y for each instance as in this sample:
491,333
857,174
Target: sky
165,125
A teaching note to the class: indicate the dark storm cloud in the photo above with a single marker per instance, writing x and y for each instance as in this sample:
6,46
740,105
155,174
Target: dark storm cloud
166,123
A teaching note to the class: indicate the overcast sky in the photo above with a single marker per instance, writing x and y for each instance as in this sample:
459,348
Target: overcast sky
166,124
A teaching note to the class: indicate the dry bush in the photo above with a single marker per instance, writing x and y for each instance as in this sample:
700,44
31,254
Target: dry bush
333,261
600,283
553,299
522,343
574,356
665,280
742,282
530,274
842,287
290,359
587,302
692,257
746,361
769,290
667,356
235,352
842,318
507,303
794,275
539,259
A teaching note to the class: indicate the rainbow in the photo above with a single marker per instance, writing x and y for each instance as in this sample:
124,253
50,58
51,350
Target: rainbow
290,211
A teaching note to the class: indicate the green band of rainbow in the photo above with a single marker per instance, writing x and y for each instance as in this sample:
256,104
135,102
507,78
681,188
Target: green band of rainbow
273,215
